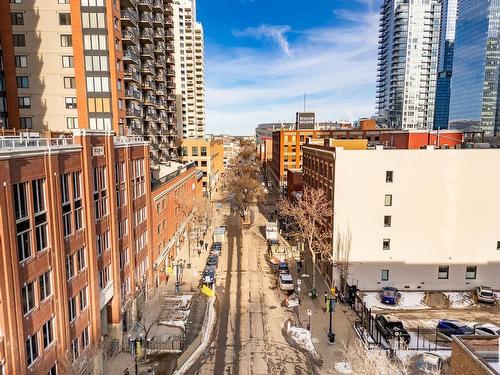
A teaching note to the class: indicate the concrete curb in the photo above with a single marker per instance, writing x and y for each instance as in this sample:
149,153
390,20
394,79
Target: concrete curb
205,342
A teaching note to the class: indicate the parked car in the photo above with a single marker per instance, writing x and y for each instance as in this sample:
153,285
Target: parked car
429,363
454,327
486,329
283,268
485,294
216,248
286,282
391,328
389,295
212,260
209,275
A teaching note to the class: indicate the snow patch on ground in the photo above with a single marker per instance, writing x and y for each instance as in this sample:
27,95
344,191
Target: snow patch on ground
343,368
303,339
178,320
459,300
407,301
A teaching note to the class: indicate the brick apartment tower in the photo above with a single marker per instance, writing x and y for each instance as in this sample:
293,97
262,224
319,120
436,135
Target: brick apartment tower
90,64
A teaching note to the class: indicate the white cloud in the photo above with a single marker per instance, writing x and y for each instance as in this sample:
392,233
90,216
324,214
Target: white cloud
276,34
335,66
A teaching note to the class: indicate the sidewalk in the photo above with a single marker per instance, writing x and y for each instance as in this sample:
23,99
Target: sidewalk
190,280
342,328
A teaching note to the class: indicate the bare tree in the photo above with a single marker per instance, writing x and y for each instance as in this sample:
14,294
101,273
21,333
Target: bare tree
358,359
149,318
89,360
341,257
242,186
312,214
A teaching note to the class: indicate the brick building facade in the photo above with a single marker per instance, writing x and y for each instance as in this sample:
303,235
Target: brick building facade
78,246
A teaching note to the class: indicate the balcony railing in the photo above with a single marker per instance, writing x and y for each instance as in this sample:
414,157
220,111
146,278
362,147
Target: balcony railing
130,15
27,142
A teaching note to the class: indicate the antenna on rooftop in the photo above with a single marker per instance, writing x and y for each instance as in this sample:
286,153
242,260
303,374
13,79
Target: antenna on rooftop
305,98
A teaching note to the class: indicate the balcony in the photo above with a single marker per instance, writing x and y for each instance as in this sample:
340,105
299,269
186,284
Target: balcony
132,94
132,75
129,17
160,61
147,35
148,68
106,294
146,18
148,85
147,50
159,19
145,4
169,35
160,48
130,36
171,84
9,143
170,48
158,4
161,78
170,60
133,112
159,33
131,53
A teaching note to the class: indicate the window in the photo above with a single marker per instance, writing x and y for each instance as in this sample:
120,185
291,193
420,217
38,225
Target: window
44,286
82,298
74,349
387,221
24,102
121,196
203,151
15,2
24,243
102,242
389,176
23,82
95,42
21,61
123,258
388,200
69,82
85,337
103,278
386,244
443,272
97,84
28,295
48,333
32,349
26,122
17,18
20,201
70,267
470,272
72,308
80,259
203,163
41,232
64,19
138,178
122,228
384,275
99,105
19,40
184,151
68,62
53,370
67,230
93,20
70,102
63,1
72,122
66,40
498,245
38,193
194,151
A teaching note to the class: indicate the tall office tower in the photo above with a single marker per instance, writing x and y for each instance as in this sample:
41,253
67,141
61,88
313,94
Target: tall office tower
474,97
189,70
445,65
92,64
407,62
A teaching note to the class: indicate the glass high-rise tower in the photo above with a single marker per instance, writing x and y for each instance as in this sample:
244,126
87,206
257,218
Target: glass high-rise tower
407,62
474,97
445,64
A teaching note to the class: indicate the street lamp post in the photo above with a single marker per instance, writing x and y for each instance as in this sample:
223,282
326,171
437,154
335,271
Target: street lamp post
330,304
177,282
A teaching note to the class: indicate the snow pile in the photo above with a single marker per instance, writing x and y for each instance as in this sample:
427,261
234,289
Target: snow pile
179,320
459,300
343,368
303,339
497,295
407,301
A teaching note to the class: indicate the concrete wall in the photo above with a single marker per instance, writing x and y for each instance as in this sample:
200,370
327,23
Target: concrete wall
442,213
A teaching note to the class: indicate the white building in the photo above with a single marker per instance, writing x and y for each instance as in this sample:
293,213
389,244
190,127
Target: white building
414,219
407,62
189,70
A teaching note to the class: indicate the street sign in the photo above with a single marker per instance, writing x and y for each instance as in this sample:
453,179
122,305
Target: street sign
309,312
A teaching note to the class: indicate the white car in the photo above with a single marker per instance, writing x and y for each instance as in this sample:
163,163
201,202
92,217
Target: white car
485,294
486,329
286,282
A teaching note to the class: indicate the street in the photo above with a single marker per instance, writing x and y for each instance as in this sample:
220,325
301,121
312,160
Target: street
248,336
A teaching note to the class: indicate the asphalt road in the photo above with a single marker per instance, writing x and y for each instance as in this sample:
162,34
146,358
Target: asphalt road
248,337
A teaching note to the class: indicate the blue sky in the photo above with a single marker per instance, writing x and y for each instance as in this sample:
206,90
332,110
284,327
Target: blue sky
262,55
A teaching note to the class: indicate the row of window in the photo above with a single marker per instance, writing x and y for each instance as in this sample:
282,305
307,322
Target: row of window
36,292
443,273
33,344
73,308
79,344
75,263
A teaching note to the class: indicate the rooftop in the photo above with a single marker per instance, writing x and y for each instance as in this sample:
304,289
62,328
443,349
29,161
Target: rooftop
485,350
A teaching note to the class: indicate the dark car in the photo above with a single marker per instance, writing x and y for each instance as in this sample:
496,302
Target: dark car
212,260
283,268
389,295
209,275
391,328
454,327
216,248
